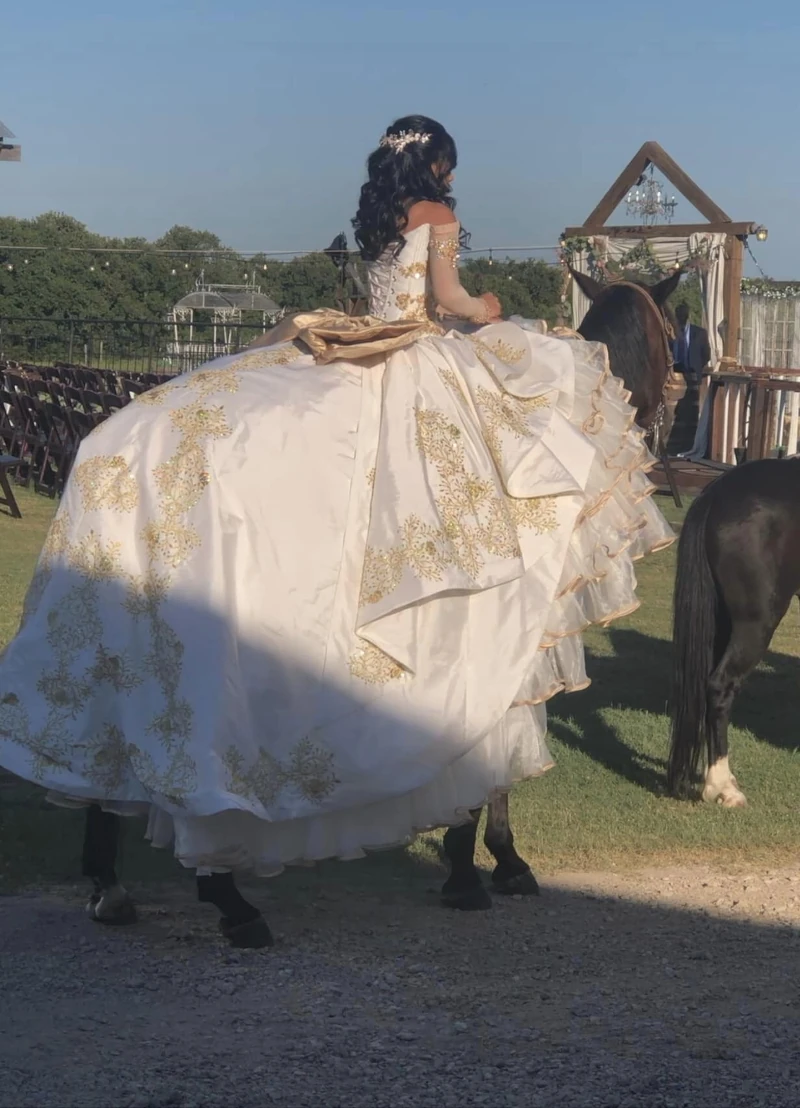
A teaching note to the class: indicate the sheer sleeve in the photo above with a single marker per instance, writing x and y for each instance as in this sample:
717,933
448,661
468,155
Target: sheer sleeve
450,295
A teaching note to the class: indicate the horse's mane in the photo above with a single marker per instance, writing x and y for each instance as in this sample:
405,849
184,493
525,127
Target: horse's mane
616,319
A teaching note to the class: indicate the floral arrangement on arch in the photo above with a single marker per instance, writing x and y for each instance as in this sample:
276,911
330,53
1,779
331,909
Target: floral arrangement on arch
769,290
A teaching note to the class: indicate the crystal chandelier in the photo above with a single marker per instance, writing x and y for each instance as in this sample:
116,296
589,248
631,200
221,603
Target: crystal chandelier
649,202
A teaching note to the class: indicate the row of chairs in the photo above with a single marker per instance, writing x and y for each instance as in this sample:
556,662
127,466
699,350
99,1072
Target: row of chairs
82,377
44,436
45,413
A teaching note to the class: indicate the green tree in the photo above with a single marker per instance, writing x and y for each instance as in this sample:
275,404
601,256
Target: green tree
303,283
528,288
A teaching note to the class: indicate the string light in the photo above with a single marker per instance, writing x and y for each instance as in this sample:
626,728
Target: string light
749,250
216,255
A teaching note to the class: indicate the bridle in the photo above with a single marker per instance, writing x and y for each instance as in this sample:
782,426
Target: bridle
654,431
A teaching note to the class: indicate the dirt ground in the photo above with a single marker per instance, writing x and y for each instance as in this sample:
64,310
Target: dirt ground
660,988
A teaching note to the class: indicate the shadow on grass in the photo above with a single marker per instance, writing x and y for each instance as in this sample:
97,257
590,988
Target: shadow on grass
637,677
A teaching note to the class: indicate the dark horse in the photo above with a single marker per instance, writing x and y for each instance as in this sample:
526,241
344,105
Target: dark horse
632,320
738,569
629,322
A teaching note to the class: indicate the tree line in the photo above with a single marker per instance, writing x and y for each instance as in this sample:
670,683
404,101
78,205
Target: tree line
77,276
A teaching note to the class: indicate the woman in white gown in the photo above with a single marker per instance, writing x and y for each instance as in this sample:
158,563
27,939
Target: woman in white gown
311,599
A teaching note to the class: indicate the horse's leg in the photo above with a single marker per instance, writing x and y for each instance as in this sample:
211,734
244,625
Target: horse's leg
512,875
109,902
746,647
464,889
241,922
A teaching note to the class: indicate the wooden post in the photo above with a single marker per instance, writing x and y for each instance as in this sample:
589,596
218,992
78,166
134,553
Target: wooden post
732,294
717,392
757,445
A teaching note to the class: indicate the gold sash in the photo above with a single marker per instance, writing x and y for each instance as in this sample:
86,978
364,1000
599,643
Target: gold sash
333,336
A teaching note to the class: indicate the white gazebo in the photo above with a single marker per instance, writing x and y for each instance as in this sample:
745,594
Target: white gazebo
230,308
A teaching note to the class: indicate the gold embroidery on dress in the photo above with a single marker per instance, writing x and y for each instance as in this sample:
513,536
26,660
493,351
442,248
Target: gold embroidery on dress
507,353
446,248
535,514
74,622
412,307
116,669
265,357
476,520
107,482
413,271
371,665
75,625
451,379
309,770
155,395
501,412
110,758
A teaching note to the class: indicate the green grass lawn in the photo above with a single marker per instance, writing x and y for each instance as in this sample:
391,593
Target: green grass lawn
602,806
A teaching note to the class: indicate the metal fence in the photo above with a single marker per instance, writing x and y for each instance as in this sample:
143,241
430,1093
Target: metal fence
125,346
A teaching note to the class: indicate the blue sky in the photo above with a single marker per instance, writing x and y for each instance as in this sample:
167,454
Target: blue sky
254,119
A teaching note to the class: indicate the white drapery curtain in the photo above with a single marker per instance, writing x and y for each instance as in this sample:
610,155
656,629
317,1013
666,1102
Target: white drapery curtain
580,301
771,340
770,332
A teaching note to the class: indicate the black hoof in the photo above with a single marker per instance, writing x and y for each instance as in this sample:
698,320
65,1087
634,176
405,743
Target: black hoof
475,899
253,935
111,910
520,884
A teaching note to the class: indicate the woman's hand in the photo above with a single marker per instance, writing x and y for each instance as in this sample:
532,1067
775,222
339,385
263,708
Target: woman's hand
494,306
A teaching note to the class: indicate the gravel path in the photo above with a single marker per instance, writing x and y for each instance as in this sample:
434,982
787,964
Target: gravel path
662,988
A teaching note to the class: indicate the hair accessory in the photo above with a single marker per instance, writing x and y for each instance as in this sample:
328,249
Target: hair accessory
400,141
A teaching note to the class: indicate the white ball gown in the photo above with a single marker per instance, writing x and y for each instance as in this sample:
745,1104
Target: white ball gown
311,599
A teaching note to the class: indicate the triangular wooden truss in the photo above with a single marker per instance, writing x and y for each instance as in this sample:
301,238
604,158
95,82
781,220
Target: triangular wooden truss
653,154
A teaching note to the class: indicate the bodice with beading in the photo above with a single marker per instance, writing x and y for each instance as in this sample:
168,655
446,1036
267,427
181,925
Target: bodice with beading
399,283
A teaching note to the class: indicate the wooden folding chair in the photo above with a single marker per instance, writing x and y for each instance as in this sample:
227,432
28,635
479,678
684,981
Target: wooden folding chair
7,498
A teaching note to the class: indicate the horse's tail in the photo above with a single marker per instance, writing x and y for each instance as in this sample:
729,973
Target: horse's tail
696,609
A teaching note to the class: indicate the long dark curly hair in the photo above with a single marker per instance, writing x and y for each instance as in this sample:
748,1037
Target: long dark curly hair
400,177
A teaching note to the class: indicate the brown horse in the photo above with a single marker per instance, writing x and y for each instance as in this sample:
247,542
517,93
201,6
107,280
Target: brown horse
629,321
633,321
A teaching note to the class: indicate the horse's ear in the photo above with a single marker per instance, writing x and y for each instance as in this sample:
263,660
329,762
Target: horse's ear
588,286
664,289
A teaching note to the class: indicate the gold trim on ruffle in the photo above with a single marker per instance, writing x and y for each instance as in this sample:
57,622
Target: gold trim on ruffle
333,336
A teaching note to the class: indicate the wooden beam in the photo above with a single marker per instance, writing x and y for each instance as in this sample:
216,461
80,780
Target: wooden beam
654,154
675,230
619,190
685,185
732,295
